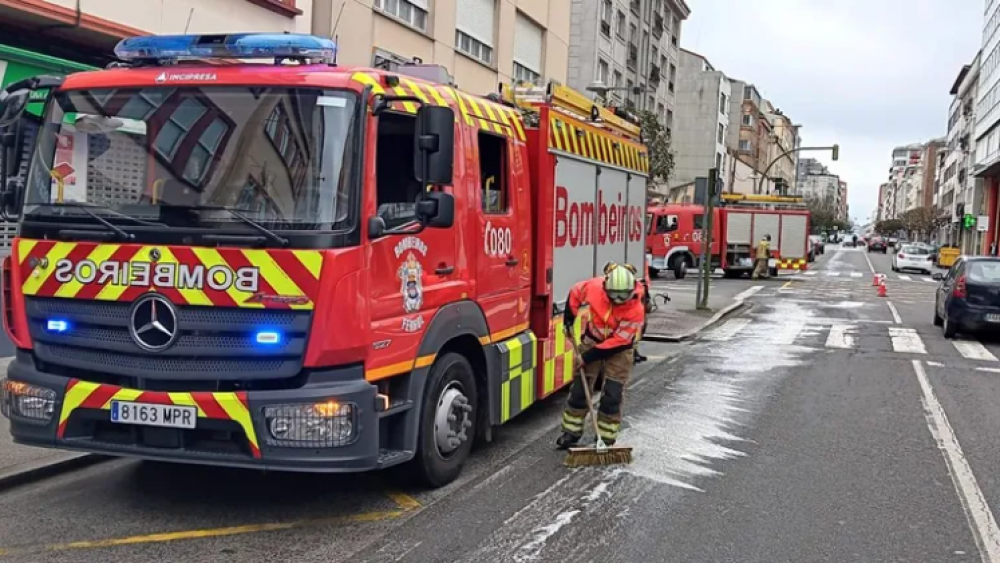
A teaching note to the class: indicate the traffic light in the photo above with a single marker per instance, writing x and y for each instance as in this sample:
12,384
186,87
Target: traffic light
836,152
968,221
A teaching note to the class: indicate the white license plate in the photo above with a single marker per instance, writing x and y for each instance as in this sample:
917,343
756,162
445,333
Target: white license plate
147,414
993,318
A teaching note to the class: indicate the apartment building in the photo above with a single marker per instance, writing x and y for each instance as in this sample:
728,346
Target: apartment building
817,184
482,43
843,209
631,48
701,128
760,133
986,132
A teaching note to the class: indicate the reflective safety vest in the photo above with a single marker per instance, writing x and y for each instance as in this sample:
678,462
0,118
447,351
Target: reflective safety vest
610,325
763,249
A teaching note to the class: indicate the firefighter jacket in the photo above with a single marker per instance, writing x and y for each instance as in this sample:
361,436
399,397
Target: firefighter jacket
614,328
763,249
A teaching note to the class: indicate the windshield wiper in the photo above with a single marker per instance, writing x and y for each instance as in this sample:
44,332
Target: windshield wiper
87,206
117,230
275,237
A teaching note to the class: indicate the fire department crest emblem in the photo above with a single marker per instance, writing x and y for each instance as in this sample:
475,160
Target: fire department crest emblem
410,274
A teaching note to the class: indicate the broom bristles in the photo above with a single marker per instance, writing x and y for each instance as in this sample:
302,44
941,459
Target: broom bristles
589,457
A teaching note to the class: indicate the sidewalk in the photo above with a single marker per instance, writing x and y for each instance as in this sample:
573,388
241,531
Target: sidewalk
679,319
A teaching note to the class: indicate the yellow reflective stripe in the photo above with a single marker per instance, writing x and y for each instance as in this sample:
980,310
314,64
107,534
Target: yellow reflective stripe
437,96
483,124
461,105
237,412
112,292
186,399
211,257
100,254
556,136
489,110
575,139
368,80
515,117
311,259
415,89
410,107
75,397
34,282
550,376
191,296
505,401
122,395
276,277
24,248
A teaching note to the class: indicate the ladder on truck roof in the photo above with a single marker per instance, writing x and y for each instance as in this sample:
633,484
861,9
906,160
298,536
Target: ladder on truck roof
564,99
769,202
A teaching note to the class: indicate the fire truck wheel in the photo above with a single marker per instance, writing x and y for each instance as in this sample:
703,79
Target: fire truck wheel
680,267
654,273
447,420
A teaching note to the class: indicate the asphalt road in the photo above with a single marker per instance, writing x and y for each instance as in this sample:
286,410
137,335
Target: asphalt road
823,423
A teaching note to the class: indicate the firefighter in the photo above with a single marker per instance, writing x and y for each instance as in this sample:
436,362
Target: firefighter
611,315
763,255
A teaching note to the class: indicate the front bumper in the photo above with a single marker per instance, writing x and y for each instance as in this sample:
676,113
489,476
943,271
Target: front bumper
230,428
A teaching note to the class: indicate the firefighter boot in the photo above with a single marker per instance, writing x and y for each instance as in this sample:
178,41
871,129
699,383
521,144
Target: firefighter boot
567,441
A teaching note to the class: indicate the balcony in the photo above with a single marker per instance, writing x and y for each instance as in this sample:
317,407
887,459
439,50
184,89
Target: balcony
654,76
657,26
606,28
633,56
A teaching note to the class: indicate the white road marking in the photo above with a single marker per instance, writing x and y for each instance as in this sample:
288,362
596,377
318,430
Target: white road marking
810,272
973,350
895,314
935,364
728,330
840,336
870,265
857,274
906,340
977,510
989,370
749,292
833,274
904,278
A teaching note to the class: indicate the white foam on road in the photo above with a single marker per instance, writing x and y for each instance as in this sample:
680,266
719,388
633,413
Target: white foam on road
906,340
810,272
840,336
727,330
748,293
973,350
833,274
904,278
857,274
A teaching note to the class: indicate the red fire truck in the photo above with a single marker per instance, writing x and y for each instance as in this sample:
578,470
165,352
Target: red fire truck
676,231
297,265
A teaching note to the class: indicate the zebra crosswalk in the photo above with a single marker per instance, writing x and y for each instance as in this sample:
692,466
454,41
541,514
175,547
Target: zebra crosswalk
851,336
855,275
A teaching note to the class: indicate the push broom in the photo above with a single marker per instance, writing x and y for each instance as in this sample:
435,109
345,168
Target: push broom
600,453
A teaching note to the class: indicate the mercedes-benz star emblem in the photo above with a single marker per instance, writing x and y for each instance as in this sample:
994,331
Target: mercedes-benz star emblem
154,254
154,323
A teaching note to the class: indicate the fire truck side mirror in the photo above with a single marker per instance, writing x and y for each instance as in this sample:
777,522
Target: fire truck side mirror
12,105
434,145
436,210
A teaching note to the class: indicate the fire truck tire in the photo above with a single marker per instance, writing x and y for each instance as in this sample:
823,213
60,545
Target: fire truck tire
732,274
447,420
679,265
654,273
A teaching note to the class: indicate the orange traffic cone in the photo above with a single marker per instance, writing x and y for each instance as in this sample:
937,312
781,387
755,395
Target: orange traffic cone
875,278
881,289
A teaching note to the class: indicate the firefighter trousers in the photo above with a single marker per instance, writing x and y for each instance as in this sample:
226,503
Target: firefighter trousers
760,268
616,371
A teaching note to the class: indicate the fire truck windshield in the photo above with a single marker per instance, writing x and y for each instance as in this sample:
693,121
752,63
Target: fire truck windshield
185,158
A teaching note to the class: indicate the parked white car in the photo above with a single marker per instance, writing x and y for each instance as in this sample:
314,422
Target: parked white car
912,257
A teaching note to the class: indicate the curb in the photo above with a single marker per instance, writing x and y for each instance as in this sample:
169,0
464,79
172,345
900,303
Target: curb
32,471
729,309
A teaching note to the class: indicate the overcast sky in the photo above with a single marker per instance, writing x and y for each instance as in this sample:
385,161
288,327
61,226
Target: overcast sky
867,74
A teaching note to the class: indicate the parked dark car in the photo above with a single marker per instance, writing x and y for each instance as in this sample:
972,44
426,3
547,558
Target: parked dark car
877,244
968,299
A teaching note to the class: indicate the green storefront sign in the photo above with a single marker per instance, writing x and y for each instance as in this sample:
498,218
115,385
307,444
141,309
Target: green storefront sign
18,64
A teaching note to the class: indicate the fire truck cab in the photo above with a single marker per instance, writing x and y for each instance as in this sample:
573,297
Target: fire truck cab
297,265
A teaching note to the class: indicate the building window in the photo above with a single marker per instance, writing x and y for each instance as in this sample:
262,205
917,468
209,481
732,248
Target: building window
606,9
718,161
617,83
722,133
620,26
747,92
411,12
473,47
650,103
670,118
525,74
475,29
747,120
723,109
602,71
745,145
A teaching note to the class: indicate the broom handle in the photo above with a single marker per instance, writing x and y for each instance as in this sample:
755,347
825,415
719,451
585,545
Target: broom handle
591,409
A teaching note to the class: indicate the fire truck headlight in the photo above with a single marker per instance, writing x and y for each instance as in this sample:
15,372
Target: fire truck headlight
27,401
322,425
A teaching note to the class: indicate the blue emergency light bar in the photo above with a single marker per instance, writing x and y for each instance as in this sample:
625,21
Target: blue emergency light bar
232,46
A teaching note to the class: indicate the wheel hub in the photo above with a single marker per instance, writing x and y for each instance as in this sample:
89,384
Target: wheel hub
452,419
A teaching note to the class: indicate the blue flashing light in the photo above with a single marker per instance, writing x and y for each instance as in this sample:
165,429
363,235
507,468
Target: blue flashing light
57,325
268,337
233,46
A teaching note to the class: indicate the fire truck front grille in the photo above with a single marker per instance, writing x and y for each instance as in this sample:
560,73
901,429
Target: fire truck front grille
211,344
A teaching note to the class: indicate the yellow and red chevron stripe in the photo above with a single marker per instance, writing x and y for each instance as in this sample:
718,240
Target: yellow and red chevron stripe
292,275
476,112
570,135
215,406
792,264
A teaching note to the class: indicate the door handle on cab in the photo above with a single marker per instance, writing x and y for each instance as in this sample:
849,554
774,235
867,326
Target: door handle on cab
444,270
511,261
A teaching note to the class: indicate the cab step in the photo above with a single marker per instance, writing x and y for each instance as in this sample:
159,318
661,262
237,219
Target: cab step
396,408
388,458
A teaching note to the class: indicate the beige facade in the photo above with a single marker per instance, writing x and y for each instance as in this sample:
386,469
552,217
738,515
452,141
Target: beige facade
480,49
213,16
